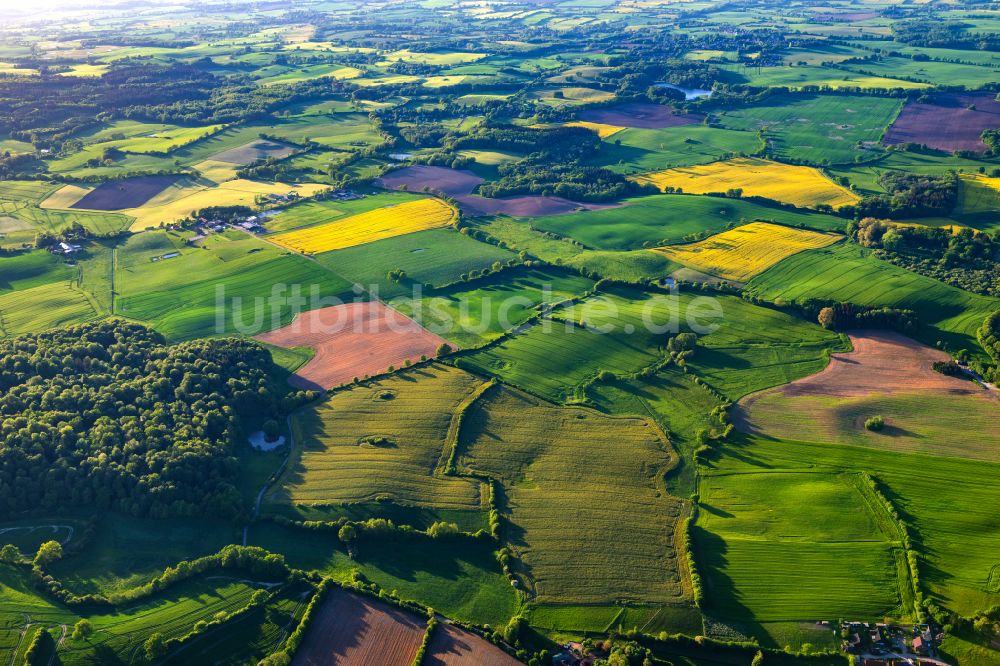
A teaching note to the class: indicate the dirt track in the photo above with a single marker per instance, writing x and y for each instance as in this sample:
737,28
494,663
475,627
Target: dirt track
353,340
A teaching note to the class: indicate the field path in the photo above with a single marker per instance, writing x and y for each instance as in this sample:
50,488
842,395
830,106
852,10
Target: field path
62,639
20,639
271,479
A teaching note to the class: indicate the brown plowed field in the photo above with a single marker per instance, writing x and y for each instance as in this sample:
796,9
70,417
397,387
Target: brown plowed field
450,646
352,630
946,123
119,194
640,115
352,340
882,362
459,185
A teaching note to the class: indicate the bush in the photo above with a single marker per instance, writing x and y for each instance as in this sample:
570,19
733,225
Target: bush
875,423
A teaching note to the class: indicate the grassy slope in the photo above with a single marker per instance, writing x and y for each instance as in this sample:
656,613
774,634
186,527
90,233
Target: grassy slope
846,272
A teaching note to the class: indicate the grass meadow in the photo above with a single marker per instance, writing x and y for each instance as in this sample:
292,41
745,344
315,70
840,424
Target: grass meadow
434,257
666,219
458,578
847,272
949,512
177,295
817,129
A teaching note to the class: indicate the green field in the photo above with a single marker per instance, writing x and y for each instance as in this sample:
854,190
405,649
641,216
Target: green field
627,331
179,295
125,552
477,313
665,219
818,129
763,536
627,266
950,510
543,454
846,272
919,423
436,257
640,150
460,579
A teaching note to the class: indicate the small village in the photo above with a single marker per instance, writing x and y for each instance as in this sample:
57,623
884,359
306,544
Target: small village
882,644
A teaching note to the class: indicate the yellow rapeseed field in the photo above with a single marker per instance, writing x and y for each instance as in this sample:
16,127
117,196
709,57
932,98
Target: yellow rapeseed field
741,253
603,130
367,227
798,185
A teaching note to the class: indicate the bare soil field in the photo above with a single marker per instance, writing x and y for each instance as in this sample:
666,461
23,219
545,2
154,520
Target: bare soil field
253,151
451,646
452,182
887,375
459,185
882,362
120,194
352,630
946,123
352,340
640,115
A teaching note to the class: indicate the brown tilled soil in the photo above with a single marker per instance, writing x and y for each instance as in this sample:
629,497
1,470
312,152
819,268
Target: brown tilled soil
459,185
352,630
946,123
352,340
452,182
130,193
882,362
641,115
451,646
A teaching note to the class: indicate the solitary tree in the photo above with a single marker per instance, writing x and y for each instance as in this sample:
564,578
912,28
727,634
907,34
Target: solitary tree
82,629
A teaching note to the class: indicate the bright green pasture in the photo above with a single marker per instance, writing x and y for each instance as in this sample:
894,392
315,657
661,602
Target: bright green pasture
474,314
818,129
436,257
640,150
846,272
31,269
178,295
628,266
949,504
665,219
936,73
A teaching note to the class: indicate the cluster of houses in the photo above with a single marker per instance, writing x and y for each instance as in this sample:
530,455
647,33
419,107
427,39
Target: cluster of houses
883,644
343,195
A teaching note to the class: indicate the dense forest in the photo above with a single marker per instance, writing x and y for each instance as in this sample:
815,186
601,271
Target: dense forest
107,415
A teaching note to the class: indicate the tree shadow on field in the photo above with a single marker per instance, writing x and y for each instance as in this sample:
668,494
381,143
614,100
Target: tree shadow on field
721,598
